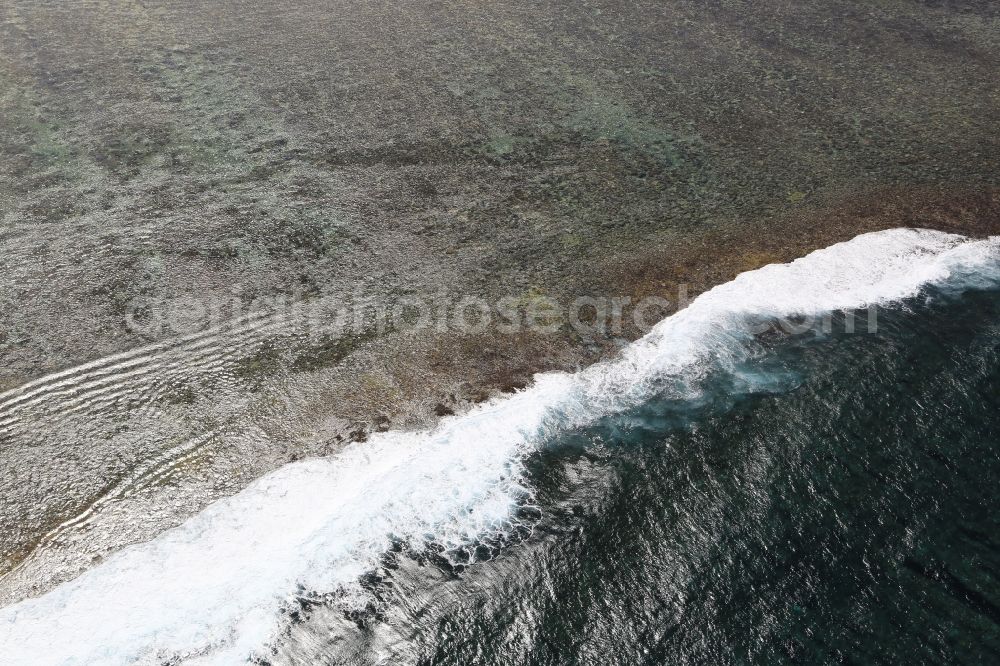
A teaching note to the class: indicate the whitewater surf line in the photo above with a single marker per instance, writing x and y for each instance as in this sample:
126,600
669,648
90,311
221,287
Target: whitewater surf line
211,591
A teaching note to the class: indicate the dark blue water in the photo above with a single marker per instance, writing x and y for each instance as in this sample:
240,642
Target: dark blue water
844,511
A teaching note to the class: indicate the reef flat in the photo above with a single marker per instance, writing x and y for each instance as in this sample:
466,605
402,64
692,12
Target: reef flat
158,154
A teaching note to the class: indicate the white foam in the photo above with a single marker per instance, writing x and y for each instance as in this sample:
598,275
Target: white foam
211,590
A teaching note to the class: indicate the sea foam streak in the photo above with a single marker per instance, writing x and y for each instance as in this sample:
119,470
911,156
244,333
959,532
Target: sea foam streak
211,590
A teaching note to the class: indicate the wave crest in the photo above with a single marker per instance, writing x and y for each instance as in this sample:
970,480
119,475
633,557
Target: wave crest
211,590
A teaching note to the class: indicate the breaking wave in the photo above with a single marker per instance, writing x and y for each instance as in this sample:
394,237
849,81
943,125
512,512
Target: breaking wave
212,590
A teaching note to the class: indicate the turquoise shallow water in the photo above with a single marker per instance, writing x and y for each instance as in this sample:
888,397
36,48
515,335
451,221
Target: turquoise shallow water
834,501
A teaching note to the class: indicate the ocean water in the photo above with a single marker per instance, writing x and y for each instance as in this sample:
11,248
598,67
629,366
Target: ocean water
846,513
768,476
